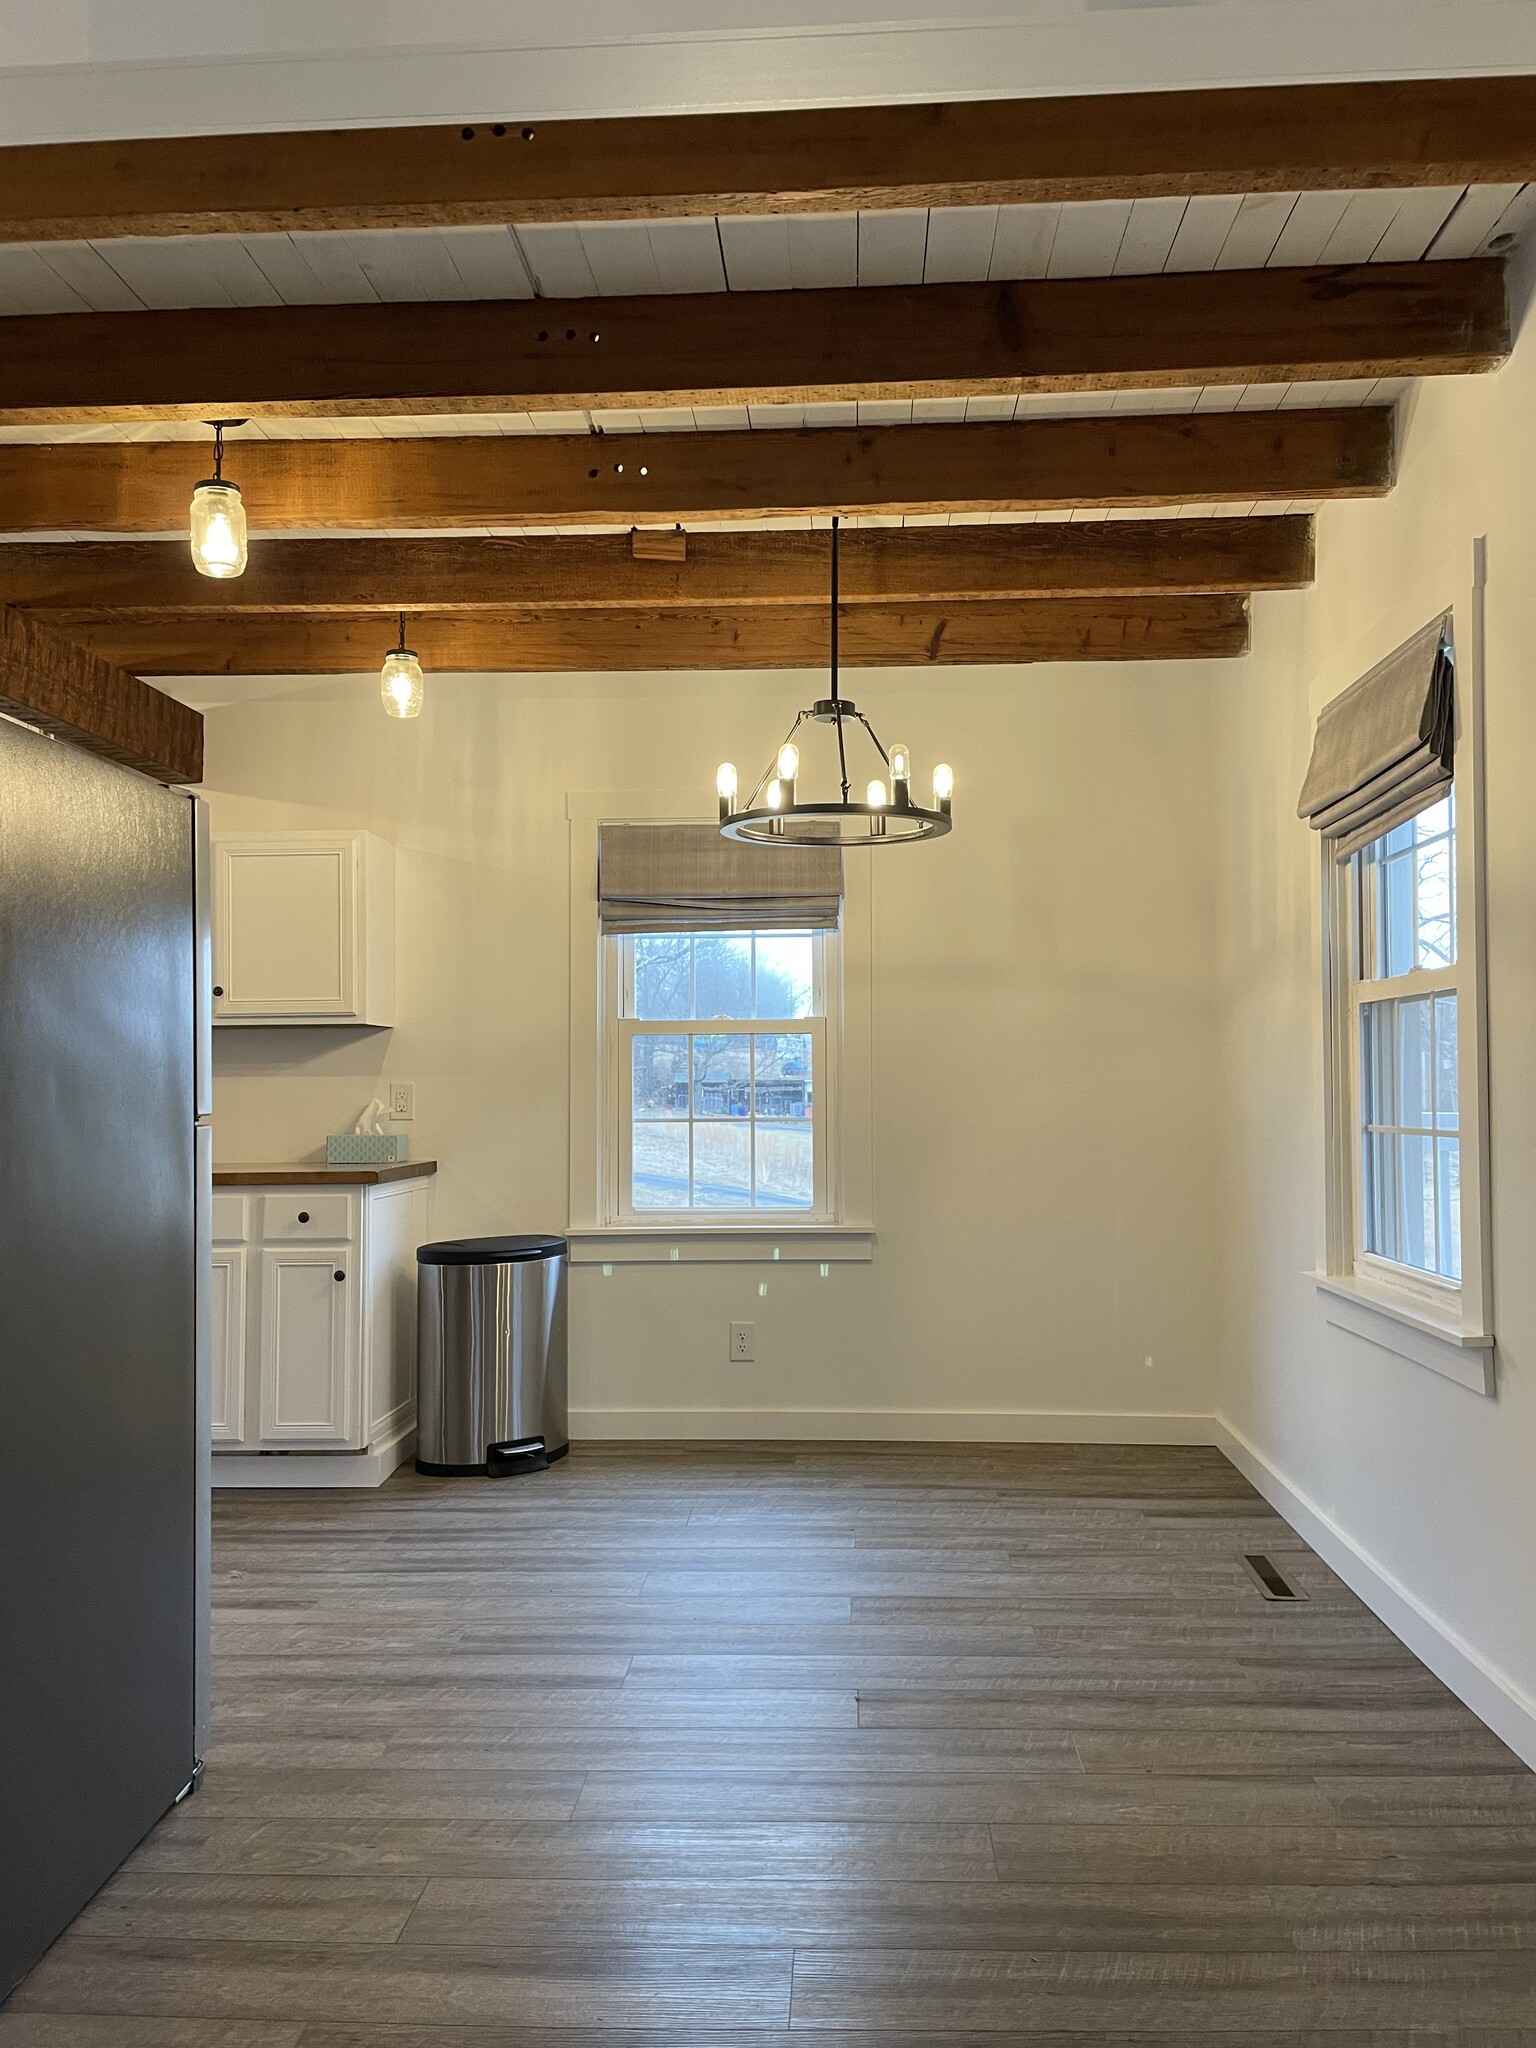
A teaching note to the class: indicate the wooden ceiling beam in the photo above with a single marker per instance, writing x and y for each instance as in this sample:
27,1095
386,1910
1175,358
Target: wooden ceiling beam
912,565
1401,132
49,681
732,348
433,483
1051,629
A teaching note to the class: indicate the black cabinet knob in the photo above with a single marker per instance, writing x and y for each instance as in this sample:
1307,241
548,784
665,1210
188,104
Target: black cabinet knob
303,1215
338,1276
218,991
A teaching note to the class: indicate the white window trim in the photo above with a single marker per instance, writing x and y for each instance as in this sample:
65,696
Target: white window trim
847,1231
1431,1322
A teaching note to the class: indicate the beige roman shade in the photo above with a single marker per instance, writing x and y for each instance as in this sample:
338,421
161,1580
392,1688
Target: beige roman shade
688,878
1386,747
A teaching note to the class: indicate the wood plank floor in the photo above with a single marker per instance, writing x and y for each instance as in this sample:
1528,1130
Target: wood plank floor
715,1746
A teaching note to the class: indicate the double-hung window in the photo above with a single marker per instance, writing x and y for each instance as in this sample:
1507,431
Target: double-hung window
1404,1009
719,1076
720,1045
1393,788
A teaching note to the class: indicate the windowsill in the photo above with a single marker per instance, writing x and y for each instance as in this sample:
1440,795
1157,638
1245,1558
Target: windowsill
675,1243
1410,1329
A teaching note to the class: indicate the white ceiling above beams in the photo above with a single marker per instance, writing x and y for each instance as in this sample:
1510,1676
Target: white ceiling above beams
99,68
939,245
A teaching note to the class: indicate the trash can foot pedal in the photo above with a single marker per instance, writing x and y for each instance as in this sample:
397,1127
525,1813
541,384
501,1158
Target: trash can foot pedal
523,1454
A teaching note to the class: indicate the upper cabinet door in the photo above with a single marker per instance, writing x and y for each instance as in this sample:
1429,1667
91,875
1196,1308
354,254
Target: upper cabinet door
303,929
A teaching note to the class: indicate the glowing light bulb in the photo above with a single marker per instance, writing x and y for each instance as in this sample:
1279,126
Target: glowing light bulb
901,764
874,796
943,786
218,529
775,796
789,762
725,788
401,683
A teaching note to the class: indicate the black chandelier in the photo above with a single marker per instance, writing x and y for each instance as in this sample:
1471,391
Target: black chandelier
774,815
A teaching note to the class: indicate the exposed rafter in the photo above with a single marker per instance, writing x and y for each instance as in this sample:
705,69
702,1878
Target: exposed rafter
919,341
1401,132
60,687
915,565
1051,629
431,483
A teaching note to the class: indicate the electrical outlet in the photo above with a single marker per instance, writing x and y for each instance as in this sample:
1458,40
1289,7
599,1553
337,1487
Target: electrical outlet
741,1344
402,1101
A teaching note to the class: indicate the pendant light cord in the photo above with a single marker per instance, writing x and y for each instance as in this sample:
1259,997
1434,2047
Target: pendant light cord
401,648
837,702
218,451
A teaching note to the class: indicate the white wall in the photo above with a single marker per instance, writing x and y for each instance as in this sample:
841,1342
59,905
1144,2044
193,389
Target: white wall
1043,1034
1425,1491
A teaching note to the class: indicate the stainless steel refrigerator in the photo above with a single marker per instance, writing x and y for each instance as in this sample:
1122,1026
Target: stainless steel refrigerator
105,1161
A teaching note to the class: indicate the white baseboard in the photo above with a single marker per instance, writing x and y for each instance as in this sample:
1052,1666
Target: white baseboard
890,1425
314,1468
1490,1693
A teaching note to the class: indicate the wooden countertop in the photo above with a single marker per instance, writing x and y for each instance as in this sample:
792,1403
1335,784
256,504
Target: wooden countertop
311,1176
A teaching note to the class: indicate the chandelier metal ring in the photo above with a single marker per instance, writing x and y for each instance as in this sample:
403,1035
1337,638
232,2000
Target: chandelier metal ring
830,824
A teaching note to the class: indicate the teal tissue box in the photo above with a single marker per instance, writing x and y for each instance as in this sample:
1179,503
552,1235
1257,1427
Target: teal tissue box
356,1150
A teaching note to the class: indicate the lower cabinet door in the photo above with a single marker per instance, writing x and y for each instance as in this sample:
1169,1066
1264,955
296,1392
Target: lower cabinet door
226,1407
309,1348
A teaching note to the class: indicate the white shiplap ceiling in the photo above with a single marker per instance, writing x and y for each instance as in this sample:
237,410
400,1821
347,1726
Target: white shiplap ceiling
939,245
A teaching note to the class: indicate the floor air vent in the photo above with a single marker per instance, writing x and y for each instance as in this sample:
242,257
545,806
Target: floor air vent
1269,1578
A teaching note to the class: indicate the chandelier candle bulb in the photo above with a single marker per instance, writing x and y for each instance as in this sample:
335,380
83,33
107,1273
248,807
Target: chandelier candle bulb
774,795
901,776
943,788
725,788
789,767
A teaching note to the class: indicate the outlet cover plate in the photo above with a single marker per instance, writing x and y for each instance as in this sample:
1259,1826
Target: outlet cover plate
741,1344
402,1101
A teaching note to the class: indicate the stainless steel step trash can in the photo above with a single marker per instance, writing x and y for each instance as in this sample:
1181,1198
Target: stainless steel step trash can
491,1355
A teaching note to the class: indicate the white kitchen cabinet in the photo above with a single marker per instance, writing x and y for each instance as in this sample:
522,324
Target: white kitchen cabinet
314,1322
227,1299
308,1342
303,928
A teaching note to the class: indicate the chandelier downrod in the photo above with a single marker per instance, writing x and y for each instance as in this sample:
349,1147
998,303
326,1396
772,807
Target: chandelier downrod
842,751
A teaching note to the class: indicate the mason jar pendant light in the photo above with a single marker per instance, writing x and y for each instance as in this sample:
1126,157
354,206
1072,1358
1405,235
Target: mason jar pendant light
218,516
774,814
402,685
